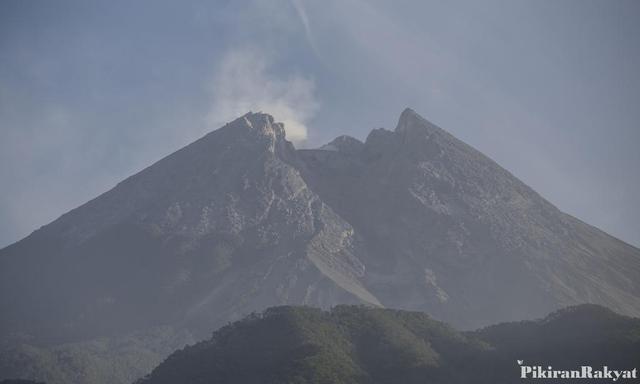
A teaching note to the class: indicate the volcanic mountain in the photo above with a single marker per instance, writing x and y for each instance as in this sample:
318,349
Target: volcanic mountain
448,231
240,220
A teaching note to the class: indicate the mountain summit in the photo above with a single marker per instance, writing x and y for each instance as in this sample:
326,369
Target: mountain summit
240,220
448,231
220,228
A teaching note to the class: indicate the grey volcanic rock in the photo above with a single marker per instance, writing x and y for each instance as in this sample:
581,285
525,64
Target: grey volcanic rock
240,220
344,144
222,227
450,232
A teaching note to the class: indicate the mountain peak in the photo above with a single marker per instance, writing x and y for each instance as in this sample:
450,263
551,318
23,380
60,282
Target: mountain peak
408,112
254,129
345,144
411,121
258,122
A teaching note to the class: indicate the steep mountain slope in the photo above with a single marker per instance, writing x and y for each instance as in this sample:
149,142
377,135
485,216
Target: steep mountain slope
364,345
449,231
218,229
240,220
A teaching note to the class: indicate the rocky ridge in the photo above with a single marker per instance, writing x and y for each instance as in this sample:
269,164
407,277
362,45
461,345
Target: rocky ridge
240,220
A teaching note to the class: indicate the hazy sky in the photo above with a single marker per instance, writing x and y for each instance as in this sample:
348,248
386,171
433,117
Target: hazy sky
91,92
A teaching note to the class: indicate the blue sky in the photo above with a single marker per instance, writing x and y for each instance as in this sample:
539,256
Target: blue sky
91,92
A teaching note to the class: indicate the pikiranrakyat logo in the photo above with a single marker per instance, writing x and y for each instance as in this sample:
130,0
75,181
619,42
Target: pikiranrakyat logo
584,372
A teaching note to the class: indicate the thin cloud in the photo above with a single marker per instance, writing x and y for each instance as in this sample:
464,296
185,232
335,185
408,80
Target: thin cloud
304,19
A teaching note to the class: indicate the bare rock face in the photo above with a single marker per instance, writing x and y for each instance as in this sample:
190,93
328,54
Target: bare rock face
220,228
240,220
450,232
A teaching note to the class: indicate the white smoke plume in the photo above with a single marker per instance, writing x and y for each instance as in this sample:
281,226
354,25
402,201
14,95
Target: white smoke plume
243,82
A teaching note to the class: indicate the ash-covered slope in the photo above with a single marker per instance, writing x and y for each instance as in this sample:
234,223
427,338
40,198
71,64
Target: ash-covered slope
220,228
450,232
239,221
